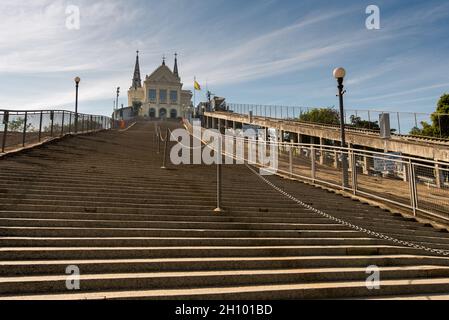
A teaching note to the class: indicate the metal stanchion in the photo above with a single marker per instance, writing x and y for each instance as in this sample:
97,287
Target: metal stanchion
40,126
219,189
219,209
5,130
24,134
52,117
62,124
313,163
165,150
354,173
159,137
290,160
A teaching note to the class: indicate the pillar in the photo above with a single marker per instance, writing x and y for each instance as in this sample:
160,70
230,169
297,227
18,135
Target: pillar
438,180
336,154
349,156
322,154
366,166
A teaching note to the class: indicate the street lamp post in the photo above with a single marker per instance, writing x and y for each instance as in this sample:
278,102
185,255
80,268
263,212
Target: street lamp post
340,74
77,82
118,94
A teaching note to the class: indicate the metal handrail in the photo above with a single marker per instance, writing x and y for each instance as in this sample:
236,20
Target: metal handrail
284,112
414,184
50,123
347,110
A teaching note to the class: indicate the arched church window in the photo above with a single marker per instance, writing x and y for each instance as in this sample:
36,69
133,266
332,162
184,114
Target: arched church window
163,113
152,113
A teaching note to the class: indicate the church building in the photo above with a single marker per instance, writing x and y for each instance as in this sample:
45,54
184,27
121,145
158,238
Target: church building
161,95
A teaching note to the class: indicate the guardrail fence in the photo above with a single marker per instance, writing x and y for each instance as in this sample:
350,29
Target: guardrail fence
419,185
21,128
402,123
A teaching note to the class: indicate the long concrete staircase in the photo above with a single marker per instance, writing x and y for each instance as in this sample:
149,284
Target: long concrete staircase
101,202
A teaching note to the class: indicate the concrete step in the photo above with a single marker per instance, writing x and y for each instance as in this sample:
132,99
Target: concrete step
35,253
206,217
142,232
219,278
131,208
161,242
96,266
164,210
19,222
321,290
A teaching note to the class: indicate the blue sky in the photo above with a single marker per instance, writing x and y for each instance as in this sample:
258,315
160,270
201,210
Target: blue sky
254,51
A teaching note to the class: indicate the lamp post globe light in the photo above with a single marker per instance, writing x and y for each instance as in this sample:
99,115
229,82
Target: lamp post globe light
77,82
339,74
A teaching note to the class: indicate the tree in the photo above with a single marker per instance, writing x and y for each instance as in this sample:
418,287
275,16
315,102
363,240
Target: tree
18,124
357,122
440,121
137,105
321,115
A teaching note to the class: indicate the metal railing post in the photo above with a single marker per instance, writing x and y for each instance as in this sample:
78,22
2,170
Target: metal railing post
290,160
70,122
313,165
62,124
219,188
219,209
354,172
5,130
52,117
40,126
165,150
159,137
24,134
412,186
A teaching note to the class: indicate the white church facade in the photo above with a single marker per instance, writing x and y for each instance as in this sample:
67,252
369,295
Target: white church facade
161,94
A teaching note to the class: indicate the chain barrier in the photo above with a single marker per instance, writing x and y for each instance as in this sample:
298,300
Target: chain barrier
378,235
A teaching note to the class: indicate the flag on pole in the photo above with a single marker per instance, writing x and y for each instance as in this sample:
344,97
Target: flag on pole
197,86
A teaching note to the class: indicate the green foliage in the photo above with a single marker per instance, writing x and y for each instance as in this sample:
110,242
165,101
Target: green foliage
440,121
137,106
18,124
321,115
357,122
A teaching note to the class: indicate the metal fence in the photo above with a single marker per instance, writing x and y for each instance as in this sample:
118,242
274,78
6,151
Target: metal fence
402,123
21,128
418,185
415,184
